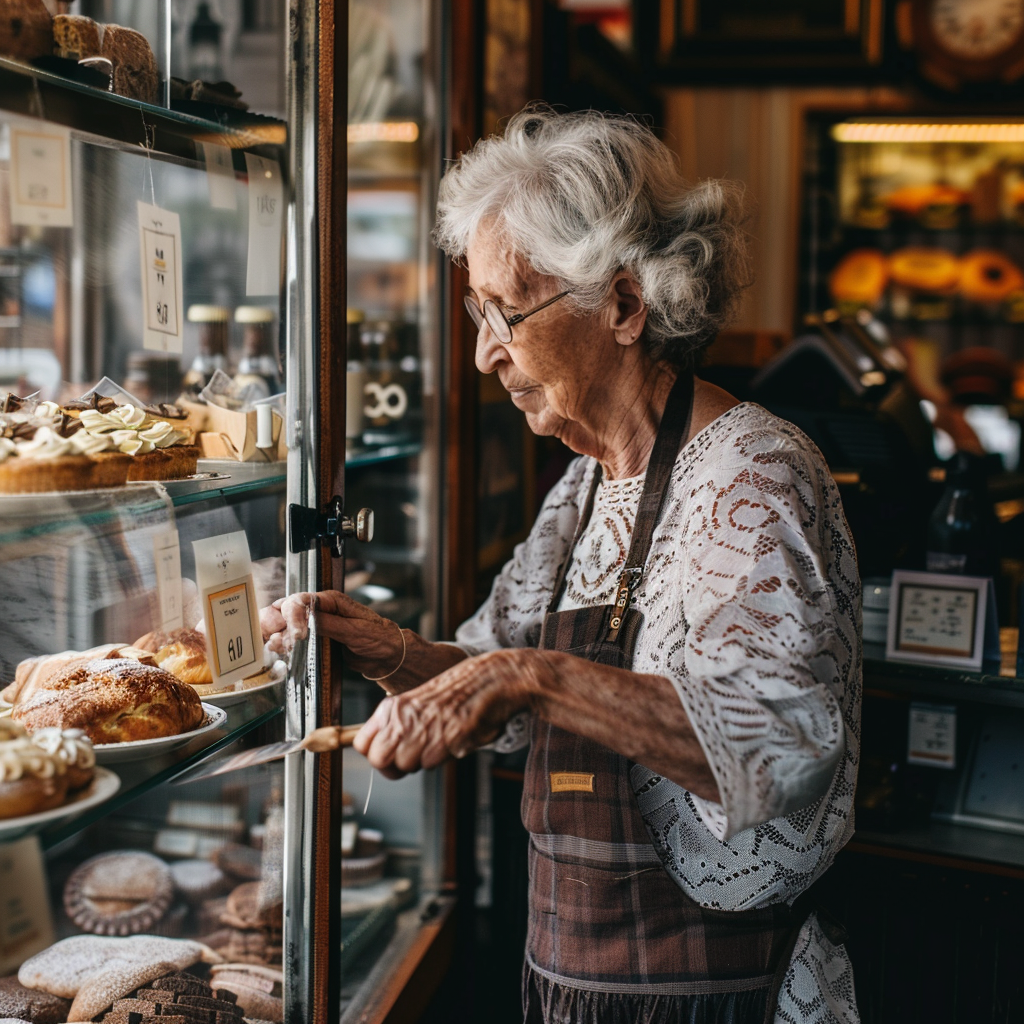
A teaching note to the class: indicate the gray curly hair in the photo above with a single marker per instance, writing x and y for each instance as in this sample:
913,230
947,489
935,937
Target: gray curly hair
580,196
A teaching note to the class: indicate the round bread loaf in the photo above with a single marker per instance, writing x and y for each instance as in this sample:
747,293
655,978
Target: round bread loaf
114,701
182,652
119,893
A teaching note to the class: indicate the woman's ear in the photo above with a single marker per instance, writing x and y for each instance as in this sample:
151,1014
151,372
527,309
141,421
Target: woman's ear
627,314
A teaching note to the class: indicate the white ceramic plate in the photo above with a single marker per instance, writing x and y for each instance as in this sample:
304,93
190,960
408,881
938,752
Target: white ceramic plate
138,750
240,692
103,786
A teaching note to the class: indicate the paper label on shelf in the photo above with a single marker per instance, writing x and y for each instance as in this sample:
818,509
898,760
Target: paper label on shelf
234,641
266,210
932,735
160,252
220,176
167,559
41,175
26,923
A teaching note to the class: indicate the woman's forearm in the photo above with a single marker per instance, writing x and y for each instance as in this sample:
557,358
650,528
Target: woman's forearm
423,660
639,716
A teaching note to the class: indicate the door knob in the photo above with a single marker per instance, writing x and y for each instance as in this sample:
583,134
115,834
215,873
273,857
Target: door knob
361,527
309,527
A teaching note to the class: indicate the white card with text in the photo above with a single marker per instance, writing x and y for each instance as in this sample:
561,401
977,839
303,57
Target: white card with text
266,215
160,253
167,560
41,175
234,641
26,923
220,176
932,735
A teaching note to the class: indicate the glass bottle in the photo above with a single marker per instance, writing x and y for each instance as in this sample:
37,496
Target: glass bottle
258,362
213,346
962,527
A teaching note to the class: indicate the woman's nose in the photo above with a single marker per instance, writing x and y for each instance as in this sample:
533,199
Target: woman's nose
490,353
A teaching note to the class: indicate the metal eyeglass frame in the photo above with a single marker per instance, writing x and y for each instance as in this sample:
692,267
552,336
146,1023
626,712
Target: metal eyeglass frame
478,315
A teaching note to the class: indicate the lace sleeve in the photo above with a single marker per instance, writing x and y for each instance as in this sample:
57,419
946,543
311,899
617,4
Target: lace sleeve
771,605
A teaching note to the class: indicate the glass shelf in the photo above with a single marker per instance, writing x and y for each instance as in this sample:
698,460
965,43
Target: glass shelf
242,477
940,840
36,93
137,777
383,453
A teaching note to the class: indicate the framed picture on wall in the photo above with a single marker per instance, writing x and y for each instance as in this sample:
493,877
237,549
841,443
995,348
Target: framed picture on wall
694,40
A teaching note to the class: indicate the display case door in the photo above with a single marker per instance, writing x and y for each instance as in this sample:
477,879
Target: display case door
315,307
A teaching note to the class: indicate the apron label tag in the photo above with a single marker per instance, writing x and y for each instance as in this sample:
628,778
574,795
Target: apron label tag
572,782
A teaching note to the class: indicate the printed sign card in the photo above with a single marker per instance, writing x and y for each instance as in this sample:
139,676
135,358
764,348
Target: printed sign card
220,176
942,619
41,174
234,641
160,253
266,215
167,559
932,735
26,923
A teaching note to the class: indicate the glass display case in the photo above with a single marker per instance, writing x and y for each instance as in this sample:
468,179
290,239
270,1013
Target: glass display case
392,863
162,403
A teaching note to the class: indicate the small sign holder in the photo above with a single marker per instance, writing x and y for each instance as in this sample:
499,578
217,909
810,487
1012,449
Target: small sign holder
234,640
944,620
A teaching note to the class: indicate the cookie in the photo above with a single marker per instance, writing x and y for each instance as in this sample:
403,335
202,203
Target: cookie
19,1002
241,862
198,880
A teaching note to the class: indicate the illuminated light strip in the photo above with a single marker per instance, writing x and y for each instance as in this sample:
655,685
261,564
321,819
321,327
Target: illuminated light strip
384,131
933,132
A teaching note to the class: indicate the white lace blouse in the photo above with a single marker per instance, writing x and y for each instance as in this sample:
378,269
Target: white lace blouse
751,608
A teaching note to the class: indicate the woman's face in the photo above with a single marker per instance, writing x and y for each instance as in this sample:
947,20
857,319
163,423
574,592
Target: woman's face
557,364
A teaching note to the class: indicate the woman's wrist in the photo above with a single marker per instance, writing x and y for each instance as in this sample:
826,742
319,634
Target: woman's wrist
537,672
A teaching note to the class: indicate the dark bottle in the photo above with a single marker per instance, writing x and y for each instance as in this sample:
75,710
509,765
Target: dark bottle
213,346
259,341
962,527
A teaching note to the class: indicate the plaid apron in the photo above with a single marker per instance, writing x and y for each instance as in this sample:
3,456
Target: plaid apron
605,915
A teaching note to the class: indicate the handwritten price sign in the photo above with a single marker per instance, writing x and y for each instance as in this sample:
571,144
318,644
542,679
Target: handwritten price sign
160,250
41,175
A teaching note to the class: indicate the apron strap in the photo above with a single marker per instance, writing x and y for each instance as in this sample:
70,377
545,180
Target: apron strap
675,423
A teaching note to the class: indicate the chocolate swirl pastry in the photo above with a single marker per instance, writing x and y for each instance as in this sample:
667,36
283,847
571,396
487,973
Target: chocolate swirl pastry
68,425
11,403
92,401
166,411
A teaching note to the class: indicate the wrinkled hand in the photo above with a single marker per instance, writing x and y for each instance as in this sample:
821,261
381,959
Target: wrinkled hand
372,643
452,714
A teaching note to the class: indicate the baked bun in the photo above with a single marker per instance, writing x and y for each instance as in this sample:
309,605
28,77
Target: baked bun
114,701
31,780
119,893
923,269
860,277
987,276
26,29
75,37
182,652
34,674
135,72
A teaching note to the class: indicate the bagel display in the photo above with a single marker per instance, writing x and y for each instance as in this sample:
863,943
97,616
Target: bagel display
860,277
987,276
925,269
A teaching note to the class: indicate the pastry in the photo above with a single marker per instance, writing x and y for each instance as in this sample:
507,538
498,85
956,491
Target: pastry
114,701
35,674
243,909
932,204
99,403
860,277
31,780
257,989
45,461
75,37
178,997
30,1004
160,448
72,747
119,893
174,463
198,880
135,72
95,970
924,269
987,276
181,652
242,862
26,29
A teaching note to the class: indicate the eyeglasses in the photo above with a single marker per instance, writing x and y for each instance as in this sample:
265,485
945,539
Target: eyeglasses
500,324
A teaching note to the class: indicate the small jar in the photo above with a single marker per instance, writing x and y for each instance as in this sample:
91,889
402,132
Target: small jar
213,345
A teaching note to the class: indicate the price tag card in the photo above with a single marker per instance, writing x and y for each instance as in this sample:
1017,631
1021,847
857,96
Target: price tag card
160,252
220,176
234,641
167,559
932,735
266,202
26,923
41,175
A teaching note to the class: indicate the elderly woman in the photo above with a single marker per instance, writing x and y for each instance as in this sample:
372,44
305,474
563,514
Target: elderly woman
678,638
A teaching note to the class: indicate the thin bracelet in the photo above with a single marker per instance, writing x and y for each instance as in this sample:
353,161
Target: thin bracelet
370,679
